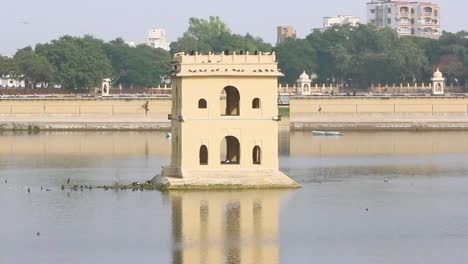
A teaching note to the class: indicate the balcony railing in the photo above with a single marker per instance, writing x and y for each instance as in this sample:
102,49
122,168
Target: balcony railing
429,34
425,23
404,14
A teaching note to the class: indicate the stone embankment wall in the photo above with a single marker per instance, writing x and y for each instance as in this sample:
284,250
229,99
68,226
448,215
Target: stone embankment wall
85,113
379,113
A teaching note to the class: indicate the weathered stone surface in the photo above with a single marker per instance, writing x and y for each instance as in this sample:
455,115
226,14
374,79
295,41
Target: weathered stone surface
85,125
242,179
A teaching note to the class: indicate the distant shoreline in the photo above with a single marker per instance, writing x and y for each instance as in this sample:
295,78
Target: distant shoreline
443,124
411,125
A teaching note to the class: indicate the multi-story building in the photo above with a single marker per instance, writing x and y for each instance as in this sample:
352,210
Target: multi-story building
329,22
421,19
157,38
285,32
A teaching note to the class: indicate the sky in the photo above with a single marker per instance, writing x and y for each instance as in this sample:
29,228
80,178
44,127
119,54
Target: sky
28,22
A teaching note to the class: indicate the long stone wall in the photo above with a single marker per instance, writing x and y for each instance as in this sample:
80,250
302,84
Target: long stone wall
85,113
375,113
306,113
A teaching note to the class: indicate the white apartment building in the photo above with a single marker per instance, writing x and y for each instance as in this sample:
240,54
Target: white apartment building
421,19
329,22
157,38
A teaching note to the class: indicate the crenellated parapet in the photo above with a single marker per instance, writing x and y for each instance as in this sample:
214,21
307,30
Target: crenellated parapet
211,64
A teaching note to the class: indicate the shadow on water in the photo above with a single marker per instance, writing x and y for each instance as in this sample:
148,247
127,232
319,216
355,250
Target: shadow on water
226,227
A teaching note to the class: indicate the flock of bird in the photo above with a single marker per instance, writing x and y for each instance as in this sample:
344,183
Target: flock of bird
68,185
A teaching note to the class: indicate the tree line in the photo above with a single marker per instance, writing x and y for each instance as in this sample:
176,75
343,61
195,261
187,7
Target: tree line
75,62
342,55
366,54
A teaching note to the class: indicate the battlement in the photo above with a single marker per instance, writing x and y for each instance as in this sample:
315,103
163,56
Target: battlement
232,58
211,64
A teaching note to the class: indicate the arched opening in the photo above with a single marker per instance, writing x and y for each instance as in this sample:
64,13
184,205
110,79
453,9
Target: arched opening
257,155
202,104
438,87
230,99
104,90
256,103
230,150
203,155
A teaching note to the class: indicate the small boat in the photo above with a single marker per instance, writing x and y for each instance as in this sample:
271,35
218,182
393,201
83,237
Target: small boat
327,133
169,135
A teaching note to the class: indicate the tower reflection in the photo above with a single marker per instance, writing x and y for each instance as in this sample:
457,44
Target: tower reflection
226,227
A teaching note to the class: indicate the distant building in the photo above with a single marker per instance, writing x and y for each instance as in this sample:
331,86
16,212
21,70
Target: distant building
285,32
303,84
7,81
421,19
157,38
438,83
329,22
132,44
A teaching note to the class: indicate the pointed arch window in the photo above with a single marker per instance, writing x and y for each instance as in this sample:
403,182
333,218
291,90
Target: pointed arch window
203,155
230,100
230,151
257,155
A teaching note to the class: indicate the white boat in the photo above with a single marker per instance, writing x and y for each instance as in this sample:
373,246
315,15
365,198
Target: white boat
327,133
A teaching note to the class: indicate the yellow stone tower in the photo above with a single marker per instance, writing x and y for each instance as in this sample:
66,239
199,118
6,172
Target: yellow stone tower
224,123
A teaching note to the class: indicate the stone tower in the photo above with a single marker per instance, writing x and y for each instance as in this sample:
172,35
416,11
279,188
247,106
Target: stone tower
224,123
438,83
303,84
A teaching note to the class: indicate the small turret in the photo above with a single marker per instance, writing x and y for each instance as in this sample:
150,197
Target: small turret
438,83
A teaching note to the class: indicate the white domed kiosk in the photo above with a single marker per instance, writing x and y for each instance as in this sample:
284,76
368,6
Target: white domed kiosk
438,83
303,84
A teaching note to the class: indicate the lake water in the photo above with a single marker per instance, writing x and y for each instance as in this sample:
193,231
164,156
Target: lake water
384,197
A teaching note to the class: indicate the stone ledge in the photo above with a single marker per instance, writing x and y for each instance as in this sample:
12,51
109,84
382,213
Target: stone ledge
224,180
418,125
86,126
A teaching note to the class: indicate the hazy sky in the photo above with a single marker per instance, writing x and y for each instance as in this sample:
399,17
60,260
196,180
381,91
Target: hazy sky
27,22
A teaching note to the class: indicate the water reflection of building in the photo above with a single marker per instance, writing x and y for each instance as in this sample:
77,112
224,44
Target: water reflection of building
85,143
226,227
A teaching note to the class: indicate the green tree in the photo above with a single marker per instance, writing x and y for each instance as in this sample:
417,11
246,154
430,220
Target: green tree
137,67
32,67
146,66
214,35
78,62
8,66
294,57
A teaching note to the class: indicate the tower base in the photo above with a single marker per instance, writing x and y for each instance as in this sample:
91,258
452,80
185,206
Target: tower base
173,179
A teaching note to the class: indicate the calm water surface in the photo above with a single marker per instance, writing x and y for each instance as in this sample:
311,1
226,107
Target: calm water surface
413,185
